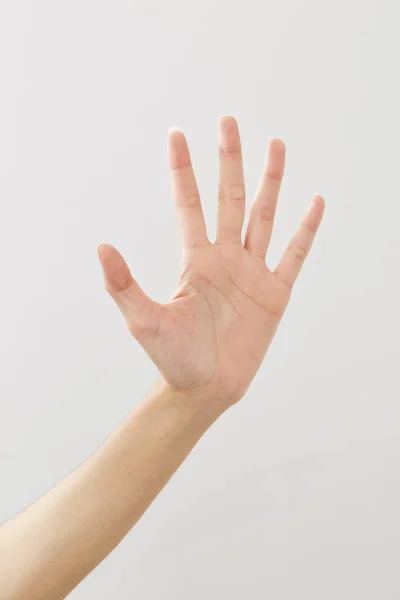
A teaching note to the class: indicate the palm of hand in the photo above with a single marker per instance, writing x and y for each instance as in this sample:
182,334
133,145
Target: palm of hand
221,320
212,335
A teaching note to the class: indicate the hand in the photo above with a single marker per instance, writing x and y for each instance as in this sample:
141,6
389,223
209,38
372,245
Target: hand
210,338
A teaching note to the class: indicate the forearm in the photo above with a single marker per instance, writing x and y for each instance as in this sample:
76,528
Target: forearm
48,549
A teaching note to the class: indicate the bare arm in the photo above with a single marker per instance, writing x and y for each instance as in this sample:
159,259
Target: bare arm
50,547
208,342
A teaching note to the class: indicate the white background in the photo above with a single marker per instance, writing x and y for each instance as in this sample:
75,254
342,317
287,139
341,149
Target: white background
295,492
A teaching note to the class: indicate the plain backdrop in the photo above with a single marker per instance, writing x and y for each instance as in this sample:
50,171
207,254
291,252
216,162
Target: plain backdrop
295,492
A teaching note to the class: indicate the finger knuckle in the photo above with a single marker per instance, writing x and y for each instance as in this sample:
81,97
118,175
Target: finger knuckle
137,329
234,152
141,328
266,213
274,174
284,280
190,200
299,250
258,252
311,226
233,191
117,287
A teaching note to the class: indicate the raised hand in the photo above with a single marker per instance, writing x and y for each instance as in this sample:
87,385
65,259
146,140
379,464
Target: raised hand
210,338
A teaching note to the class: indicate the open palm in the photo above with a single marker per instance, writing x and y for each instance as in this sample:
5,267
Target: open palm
210,338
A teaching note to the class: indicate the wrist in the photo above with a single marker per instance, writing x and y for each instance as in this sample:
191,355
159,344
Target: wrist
186,403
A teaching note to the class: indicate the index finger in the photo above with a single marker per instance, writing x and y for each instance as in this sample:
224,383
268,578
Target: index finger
185,191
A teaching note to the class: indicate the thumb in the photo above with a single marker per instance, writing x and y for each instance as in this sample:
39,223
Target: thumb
141,313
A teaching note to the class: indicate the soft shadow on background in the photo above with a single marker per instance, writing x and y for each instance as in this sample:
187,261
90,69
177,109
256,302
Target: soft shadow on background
295,492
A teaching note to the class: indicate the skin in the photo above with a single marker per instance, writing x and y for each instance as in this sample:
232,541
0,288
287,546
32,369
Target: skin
208,342
225,291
